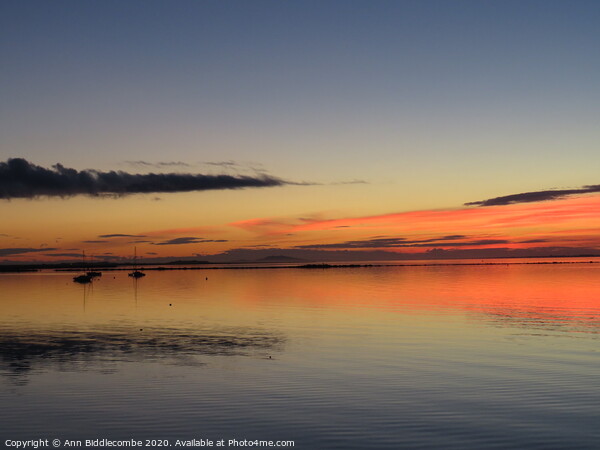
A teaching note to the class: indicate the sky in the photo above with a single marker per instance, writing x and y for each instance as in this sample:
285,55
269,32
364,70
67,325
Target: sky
318,129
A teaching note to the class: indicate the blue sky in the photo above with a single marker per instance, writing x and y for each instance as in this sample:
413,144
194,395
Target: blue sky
247,79
431,103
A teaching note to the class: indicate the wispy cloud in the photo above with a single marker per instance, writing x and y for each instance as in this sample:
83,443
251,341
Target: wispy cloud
21,179
226,164
444,241
160,164
535,196
236,166
20,251
351,182
272,226
118,235
64,255
95,242
257,168
188,240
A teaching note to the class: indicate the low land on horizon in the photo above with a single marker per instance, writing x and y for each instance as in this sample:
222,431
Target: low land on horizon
298,264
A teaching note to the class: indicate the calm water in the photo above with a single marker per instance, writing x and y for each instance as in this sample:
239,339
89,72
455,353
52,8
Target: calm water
502,356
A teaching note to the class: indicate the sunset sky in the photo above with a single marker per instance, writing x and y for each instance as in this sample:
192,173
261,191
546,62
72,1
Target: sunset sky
419,128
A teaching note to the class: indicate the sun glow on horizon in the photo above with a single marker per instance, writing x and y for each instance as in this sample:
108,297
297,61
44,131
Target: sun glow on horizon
564,223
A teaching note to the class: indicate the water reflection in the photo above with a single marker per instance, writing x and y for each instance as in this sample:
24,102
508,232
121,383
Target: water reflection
26,350
542,321
86,291
398,357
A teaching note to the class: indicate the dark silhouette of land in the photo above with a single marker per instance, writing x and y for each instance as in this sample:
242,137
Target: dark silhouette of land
287,263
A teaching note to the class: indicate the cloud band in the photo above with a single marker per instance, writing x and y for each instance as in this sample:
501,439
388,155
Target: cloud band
21,179
536,196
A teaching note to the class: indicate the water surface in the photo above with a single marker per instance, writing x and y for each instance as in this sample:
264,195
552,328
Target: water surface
502,356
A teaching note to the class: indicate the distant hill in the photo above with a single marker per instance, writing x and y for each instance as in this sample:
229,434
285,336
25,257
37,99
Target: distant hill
183,261
280,258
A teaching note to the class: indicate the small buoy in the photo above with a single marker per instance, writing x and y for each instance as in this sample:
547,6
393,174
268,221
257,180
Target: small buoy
170,304
141,329
270,357
207,278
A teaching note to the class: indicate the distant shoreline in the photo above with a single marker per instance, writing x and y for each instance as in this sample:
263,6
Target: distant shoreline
322,266
350,266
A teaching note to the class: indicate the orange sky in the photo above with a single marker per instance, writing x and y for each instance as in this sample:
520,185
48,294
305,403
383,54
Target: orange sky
571,222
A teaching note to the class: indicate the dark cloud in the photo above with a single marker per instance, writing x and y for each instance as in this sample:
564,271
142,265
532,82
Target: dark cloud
534,241
181,240
120,235
21,179
64,255
93,242
20,251
536,196
465,244
188,240
401,242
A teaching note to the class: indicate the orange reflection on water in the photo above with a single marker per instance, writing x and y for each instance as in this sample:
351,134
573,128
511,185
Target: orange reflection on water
562,291
185,317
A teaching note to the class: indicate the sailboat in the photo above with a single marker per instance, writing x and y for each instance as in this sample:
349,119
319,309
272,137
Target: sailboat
136,273
86,277
93,273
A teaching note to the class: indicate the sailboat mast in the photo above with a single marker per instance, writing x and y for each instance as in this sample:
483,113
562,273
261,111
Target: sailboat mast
136,273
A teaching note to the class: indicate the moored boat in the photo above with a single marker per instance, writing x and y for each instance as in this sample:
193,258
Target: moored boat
83,279
136,273
86,277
